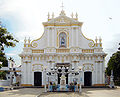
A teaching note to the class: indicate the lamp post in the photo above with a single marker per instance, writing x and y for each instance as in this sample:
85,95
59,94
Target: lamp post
45,78
111,80
80,89
11,63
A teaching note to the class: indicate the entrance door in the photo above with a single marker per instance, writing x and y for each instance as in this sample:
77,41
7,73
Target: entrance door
37,78
87,78
59,75
66,78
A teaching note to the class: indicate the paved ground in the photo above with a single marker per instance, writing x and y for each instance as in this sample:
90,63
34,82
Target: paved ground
86,92
24,92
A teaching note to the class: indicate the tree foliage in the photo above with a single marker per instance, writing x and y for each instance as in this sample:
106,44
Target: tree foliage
6,40
3,75
3,59
114,64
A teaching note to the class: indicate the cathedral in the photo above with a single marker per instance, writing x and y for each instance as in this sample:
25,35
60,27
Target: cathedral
63,46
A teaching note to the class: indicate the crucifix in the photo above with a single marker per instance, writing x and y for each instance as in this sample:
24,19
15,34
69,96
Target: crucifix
62,6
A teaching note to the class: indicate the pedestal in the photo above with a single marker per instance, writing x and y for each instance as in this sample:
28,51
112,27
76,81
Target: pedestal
63,83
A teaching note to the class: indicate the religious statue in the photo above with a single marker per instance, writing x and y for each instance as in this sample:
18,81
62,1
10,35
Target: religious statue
62,41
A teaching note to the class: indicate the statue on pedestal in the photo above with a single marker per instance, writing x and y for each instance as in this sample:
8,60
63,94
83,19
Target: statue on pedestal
62,82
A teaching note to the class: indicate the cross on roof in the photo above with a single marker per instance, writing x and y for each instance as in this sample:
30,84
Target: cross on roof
62,6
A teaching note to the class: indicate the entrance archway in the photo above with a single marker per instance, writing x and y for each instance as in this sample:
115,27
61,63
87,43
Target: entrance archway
87,78
37,78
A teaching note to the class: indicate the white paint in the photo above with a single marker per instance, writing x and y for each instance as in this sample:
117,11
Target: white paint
77,43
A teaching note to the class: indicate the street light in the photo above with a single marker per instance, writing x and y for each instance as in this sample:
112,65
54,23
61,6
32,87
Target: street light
45,78
111,80
80,89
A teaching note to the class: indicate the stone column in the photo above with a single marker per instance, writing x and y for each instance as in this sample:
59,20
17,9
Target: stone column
72,37
48,31
77,37
101,77
96,65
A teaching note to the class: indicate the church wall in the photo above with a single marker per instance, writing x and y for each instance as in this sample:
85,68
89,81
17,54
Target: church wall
79,52
97,74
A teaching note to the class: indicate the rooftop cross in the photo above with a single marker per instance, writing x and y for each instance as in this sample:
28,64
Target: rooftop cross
62,6
62,11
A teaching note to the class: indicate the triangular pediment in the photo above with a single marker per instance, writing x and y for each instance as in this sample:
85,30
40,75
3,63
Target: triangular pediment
62,20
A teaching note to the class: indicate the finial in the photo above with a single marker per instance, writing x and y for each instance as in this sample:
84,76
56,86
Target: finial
72,15
48,15
62,12
96,39
29,40
25,40
100,39
53,15
76,16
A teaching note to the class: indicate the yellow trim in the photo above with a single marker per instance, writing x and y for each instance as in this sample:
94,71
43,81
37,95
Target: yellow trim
88,39
87,50
18,71
80,24
26,85
27,62
38,51
99,85
24,45
35,44
62,50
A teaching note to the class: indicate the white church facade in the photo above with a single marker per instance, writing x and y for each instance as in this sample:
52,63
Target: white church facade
62,45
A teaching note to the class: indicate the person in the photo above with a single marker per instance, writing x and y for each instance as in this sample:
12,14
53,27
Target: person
50,87
54,86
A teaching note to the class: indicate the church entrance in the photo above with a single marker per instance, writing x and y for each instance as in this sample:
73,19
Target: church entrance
37,78
59,75
87,78
66,66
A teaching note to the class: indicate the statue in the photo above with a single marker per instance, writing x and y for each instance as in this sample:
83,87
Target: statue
62,41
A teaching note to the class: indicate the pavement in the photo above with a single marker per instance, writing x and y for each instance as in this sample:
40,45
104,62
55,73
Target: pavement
22,92
39,92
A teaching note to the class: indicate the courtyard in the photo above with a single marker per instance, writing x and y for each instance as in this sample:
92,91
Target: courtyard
39,92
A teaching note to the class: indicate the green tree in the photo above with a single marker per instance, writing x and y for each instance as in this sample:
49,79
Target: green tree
114,64
6,40
3,59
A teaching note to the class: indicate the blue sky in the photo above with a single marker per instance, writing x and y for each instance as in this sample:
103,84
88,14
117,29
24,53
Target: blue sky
23,18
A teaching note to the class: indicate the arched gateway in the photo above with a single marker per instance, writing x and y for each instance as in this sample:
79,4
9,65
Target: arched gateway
59,53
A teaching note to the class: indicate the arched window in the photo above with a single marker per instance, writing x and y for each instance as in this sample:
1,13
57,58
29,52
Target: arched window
62,39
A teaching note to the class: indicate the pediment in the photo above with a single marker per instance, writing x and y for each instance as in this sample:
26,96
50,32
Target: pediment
61,20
